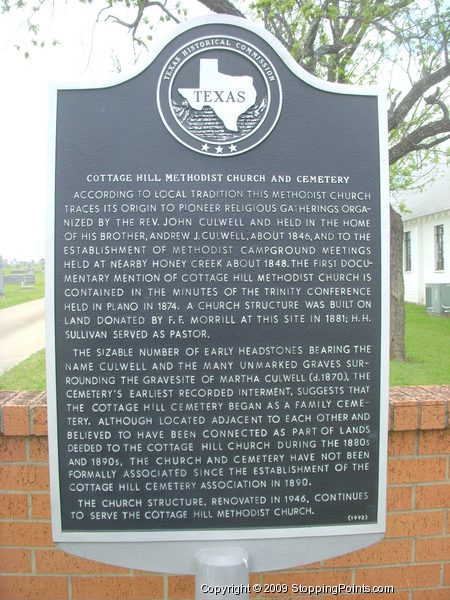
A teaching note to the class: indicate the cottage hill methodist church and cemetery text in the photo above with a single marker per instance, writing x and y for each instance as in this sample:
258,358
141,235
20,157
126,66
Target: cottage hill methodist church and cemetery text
155,265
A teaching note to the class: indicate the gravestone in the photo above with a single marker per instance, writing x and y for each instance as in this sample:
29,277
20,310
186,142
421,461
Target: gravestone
217,356
14,279
2,288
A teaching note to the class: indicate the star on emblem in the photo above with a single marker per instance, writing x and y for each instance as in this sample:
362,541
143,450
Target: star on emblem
219,150
205,147
233,148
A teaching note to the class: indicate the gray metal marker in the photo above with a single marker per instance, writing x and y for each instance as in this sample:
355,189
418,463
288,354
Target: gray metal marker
221,571
302,130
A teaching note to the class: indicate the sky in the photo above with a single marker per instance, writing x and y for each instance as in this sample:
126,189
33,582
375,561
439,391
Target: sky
85,55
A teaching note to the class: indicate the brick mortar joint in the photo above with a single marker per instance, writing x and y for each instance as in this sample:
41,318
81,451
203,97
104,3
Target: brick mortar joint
399,398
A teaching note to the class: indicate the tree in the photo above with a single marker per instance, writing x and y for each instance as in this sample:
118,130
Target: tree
353,41
401,43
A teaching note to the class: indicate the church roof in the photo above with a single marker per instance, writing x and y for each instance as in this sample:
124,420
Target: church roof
434,198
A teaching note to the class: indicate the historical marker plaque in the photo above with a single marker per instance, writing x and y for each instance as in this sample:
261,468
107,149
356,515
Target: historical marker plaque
220,292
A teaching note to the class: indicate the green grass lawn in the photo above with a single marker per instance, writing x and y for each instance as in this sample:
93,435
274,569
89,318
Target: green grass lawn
27,375
16,294
427,342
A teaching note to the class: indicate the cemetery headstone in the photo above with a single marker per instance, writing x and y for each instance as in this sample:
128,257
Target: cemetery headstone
2,288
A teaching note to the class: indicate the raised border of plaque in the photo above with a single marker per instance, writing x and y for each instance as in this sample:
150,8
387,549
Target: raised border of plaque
269,548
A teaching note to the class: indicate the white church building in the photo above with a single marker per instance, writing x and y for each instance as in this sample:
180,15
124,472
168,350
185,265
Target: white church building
426,245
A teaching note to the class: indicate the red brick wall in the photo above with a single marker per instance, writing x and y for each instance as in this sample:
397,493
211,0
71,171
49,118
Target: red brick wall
414,558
